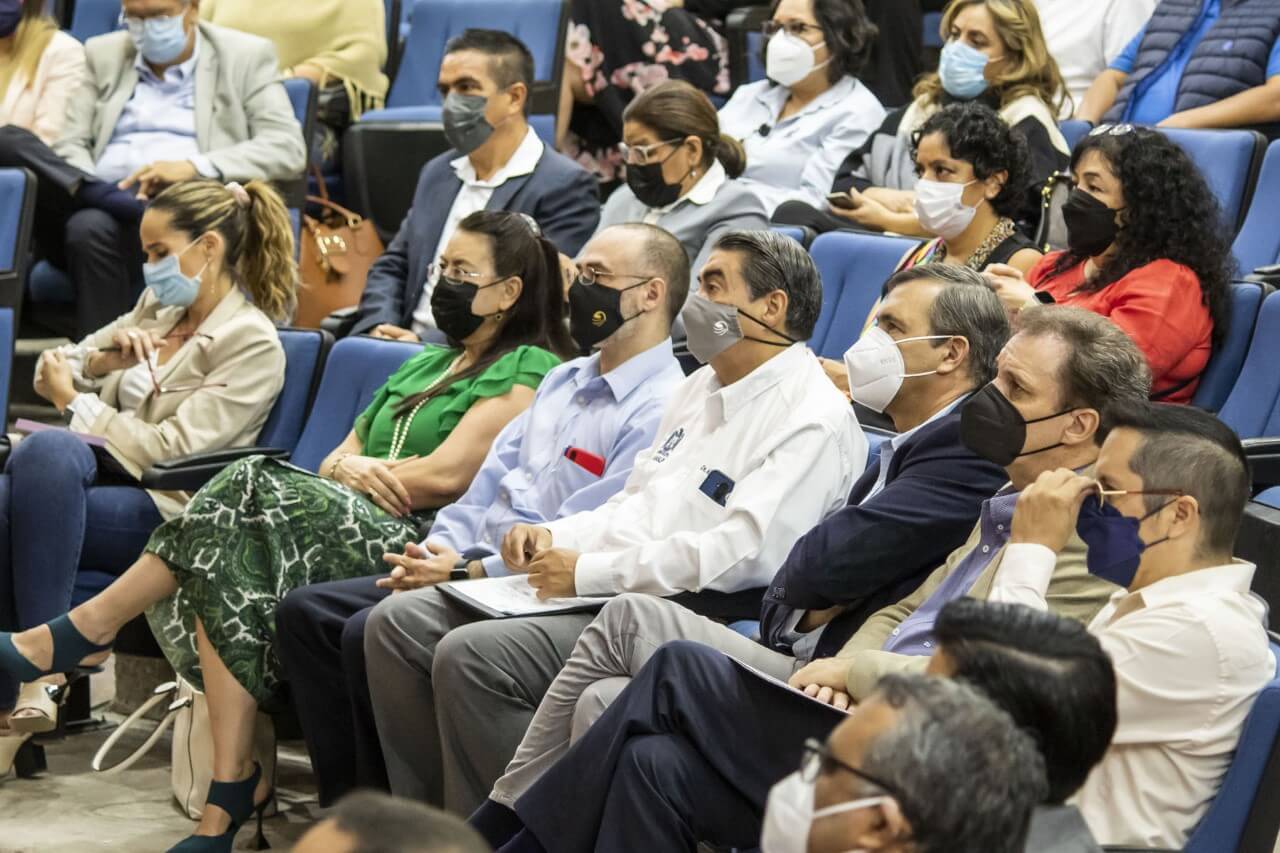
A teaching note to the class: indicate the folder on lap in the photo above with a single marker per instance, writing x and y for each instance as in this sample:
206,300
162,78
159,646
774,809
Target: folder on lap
511,596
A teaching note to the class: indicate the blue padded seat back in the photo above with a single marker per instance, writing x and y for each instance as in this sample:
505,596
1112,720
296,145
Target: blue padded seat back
1258,243
1225,158
303,349
1253,407
355,370
1074,130
94,18
13,188
1223,824
854,268
1224,365
1270,497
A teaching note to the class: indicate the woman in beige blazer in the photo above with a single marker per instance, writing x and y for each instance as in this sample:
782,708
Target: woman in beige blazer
40,68
196,366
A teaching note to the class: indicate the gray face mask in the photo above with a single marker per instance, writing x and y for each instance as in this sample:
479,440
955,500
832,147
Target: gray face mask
465,126
713,327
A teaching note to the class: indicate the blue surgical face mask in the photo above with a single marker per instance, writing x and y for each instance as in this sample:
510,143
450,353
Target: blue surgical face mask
160,40
168,282
961,68
1115,545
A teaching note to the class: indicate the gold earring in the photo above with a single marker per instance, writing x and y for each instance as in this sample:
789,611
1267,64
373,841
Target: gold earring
497,317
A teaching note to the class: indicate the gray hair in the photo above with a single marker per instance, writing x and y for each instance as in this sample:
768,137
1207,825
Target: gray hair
773,261
967,308
1103,367
949,731
660,254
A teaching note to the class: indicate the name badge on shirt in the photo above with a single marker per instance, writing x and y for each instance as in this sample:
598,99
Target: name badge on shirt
717,486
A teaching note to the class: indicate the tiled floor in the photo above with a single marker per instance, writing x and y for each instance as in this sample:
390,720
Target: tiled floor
72,809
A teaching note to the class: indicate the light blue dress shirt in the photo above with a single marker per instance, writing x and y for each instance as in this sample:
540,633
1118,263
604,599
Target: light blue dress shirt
157,123
526,478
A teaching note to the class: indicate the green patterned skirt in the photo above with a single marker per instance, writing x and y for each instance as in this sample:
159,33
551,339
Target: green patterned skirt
256,531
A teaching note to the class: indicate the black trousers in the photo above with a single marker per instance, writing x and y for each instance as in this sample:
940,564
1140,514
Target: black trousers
320,642
687,753
100,253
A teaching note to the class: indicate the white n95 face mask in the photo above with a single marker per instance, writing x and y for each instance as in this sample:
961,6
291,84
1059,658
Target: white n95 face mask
939,208
788,59
876,367
789,814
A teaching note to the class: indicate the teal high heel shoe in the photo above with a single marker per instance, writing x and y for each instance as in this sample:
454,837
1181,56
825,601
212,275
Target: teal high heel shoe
236,799
69,648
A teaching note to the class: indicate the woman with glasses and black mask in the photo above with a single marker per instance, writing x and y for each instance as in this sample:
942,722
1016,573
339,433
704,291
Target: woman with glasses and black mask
210,579
812,111
1147,248
681,171
194,367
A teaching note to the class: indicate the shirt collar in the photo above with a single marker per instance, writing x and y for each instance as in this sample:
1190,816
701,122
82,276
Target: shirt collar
787,364
704,190
775,97
182,71
635,371
523,161
901,438
1235,577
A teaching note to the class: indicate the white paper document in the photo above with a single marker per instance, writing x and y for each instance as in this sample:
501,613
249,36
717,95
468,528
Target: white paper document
512,596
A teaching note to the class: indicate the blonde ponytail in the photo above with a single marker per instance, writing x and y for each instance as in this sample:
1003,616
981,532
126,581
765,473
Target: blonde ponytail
266,265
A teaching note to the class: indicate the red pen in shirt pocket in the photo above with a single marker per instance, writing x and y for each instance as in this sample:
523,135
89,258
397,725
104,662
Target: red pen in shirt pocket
585,459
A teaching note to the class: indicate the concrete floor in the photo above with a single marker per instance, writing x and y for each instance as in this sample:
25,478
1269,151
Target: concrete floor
71,809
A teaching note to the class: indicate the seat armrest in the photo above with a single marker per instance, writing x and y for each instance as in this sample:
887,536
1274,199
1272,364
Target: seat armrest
341,322
189,473
1264,460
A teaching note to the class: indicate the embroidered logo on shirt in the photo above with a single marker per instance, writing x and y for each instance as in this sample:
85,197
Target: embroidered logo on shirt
669,445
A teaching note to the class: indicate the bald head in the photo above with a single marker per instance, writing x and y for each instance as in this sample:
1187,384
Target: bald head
656,252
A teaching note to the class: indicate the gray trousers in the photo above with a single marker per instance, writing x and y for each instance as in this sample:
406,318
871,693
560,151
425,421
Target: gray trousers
453,695
611,649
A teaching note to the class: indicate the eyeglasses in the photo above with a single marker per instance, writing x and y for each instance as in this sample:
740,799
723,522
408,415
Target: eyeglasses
1104,494
591,275
640,154
795,28
817,759
1111,130
437,271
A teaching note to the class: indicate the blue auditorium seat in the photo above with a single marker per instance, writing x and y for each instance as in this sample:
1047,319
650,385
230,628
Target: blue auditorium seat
854,268
6,360
1224,366
1270,497
1229,160
1245,814
92,18
1074,130
17,210
1258,243
1253,407
932,31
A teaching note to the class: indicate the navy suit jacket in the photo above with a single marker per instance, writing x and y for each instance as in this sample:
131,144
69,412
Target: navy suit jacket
869,555
560,195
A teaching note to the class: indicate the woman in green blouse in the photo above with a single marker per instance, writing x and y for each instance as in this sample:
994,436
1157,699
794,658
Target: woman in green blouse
210,579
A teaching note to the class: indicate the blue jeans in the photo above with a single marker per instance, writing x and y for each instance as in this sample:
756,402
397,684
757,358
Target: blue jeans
55,521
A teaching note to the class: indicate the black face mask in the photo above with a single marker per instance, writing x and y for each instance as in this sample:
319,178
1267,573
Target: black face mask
595,312
648,185
451,307
1091,225
995,430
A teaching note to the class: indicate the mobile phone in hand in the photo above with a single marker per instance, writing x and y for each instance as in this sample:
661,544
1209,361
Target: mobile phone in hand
844,201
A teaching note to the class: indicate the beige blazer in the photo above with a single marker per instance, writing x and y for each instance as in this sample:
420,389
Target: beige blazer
242,350
244,122
1073,593
40,104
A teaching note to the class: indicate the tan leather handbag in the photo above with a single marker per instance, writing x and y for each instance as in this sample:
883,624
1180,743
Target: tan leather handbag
337,250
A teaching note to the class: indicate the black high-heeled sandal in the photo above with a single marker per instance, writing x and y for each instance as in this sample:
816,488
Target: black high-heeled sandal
236,799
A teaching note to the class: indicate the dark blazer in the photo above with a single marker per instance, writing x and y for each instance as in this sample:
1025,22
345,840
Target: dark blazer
559,194
867,556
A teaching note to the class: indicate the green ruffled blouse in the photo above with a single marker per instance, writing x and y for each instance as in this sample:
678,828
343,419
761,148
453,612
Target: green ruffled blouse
525,365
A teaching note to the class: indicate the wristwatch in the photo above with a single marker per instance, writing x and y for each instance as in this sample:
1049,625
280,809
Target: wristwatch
459,572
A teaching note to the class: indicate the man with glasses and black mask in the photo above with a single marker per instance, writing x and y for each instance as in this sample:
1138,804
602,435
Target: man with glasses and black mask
569,452
1159,516
495,162
753,450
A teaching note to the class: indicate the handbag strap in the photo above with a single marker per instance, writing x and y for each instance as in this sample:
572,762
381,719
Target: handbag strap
162,693
354,220
321,186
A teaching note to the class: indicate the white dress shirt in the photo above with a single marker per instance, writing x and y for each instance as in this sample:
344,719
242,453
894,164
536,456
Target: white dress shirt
1191,654
474,195
797,158
786,440
1085,42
